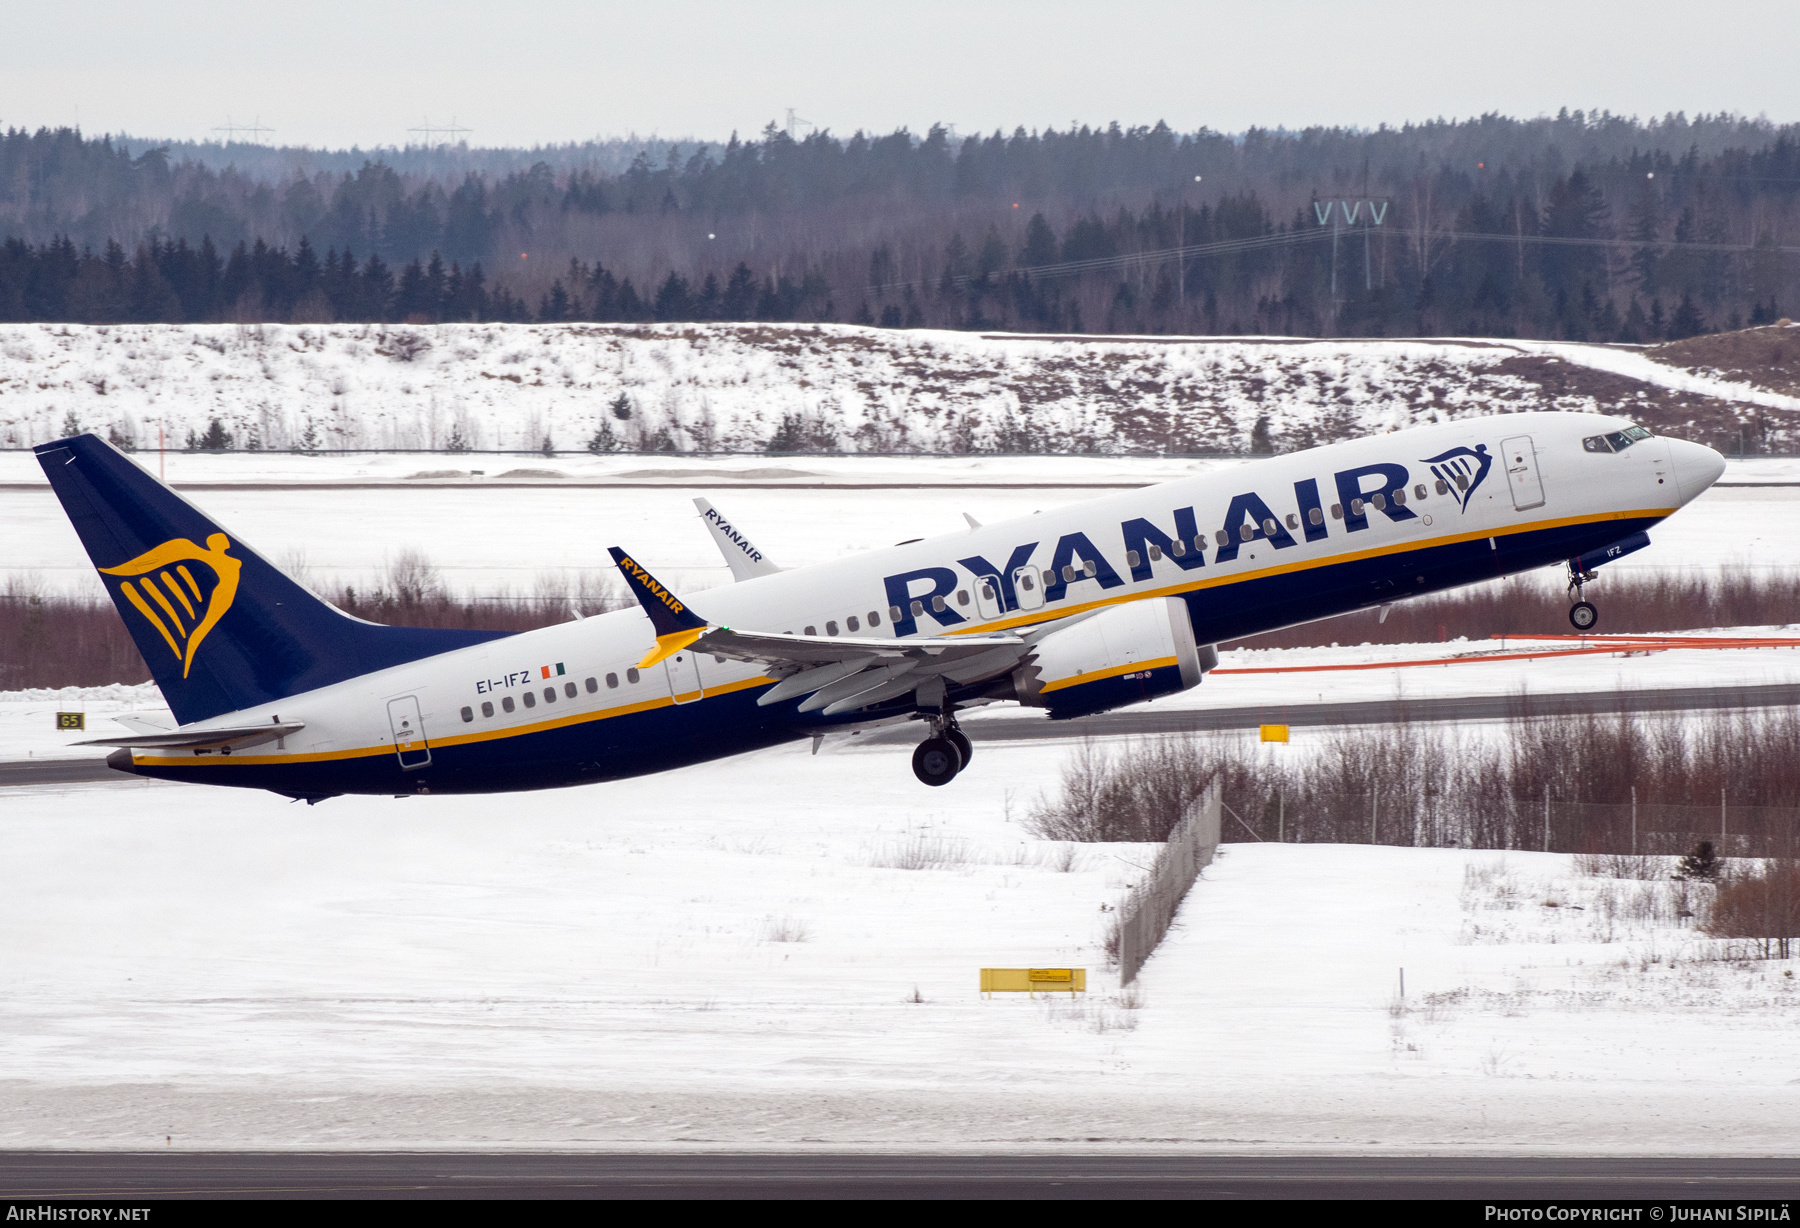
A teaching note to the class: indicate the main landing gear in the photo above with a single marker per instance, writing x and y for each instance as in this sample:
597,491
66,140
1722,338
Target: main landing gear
945,753
1582,615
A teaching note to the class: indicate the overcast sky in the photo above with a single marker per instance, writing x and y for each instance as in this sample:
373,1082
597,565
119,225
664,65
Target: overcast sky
343,72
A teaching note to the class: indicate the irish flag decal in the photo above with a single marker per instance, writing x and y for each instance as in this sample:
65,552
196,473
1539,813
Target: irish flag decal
558,667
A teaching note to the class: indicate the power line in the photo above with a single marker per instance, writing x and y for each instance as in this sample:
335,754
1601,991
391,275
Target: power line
427,130
1291,238
254,128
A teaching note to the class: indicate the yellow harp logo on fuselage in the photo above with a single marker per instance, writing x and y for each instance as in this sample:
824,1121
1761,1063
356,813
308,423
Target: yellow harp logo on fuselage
172,599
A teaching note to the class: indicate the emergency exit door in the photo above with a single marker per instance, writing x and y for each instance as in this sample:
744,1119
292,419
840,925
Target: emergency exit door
409,732
684,676
1522,473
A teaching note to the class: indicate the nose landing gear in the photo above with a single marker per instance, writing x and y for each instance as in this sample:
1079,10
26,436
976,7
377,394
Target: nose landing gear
1582,615
945,753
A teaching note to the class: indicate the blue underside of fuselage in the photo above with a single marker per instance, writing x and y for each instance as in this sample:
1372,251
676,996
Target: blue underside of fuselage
717,726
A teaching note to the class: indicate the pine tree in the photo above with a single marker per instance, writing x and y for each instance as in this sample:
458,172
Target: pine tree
739,301
1687,321
1700,865
1040,243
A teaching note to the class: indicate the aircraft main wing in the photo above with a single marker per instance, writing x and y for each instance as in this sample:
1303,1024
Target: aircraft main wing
836,673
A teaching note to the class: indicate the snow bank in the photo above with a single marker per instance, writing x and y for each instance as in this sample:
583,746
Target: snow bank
731,387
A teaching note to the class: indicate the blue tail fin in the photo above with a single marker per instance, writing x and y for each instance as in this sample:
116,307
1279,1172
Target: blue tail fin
220,628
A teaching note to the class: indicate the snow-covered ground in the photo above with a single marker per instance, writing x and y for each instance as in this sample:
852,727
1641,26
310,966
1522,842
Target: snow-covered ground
771,951
706,387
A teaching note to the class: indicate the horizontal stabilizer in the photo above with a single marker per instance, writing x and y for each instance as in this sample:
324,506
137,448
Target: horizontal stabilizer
234,736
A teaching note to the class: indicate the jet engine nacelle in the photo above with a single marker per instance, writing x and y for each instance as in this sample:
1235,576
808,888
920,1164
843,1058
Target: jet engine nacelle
1120,656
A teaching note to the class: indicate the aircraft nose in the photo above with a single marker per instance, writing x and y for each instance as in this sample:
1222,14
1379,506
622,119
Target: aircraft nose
1696,468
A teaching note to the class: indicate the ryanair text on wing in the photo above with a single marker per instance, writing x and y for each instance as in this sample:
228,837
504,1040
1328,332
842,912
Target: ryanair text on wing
649,582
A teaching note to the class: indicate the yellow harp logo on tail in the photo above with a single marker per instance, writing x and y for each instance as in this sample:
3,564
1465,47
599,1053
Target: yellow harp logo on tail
181,606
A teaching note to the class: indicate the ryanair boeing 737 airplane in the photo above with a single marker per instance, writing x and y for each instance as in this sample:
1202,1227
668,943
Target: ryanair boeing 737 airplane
1091,607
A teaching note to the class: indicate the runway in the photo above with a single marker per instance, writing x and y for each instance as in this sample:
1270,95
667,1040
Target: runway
1040,1176
1152,720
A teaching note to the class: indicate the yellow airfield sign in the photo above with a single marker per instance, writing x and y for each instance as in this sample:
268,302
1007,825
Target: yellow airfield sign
1033,980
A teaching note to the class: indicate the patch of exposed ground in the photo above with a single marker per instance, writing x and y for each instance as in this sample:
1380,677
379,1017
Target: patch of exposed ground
1766,357
1710,420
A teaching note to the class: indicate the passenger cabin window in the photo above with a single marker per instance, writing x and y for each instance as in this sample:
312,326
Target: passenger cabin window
918,609
593,686
1442,487
812,631
569,688
468,714
1379,500
831,627
487,709
530,699
612,680
895,613
1068,572
1293,521
1314,516
1356,507
1090,569
1270,527
1155,553
506,703
962,596
1132,558
1247,532
1419,491
1178,548
1337,511
631,675
874,618
938,606
1222,537
549,694
1400,494
852,624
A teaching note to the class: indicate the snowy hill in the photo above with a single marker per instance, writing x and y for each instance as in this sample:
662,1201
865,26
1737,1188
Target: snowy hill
811,387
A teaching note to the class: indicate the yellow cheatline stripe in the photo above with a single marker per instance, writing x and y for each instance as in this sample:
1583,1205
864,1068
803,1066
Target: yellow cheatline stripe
143,607
169,583
189,577
156,596
459,739
670,644
1046,613
1099,675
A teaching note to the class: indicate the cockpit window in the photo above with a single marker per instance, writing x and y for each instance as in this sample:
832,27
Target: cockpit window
1616,441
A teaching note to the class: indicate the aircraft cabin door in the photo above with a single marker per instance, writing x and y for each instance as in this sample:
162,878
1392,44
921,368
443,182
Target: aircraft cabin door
1028,588
409,732
684,676
1522,473
987,597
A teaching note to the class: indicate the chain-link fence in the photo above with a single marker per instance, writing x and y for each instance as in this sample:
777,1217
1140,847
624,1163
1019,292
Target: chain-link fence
1150,907
1426,818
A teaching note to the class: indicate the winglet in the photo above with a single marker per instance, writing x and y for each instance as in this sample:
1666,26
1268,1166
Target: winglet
676,626
744,559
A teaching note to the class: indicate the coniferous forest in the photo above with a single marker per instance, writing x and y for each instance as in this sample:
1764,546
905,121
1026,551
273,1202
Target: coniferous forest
1582,227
